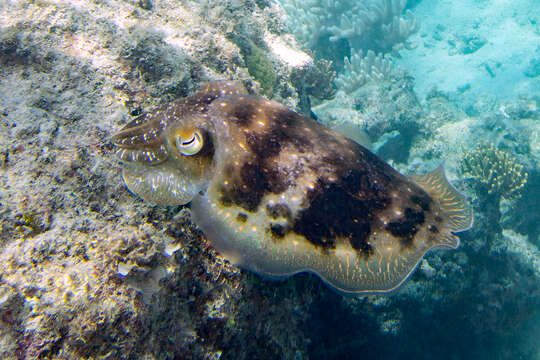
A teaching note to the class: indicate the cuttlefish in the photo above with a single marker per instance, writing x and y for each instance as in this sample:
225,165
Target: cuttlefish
278,193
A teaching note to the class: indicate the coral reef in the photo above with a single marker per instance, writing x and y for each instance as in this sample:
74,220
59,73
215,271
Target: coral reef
89,271
357,39
486,295
489,289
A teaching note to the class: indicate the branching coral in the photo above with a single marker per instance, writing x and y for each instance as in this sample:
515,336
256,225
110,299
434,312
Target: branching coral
496,172
379,25
360,69
366,28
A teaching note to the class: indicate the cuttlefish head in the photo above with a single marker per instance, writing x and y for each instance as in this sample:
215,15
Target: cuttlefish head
168,154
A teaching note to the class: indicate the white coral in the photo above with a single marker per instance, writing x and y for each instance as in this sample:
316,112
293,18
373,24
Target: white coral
380,25
398,31
305,19
360,69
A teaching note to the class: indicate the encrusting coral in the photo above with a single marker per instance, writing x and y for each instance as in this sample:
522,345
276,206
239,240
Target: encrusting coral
495,171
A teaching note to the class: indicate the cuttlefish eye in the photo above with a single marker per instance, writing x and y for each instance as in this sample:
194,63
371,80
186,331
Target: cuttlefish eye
191,144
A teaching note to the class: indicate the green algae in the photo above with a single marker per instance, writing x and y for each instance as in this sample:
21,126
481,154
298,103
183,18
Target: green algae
260,67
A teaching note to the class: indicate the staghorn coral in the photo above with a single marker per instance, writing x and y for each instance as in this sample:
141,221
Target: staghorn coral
496,172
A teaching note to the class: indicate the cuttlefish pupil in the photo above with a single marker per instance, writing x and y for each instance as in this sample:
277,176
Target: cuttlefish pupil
292,195
192,145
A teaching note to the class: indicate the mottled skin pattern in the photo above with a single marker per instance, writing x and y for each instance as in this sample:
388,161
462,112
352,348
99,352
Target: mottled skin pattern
278,193
344,188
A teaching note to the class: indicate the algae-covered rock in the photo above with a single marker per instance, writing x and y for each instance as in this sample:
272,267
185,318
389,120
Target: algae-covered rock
261,69
87,270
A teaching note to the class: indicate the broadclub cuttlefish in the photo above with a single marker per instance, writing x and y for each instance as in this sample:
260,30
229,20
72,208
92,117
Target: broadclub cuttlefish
278,193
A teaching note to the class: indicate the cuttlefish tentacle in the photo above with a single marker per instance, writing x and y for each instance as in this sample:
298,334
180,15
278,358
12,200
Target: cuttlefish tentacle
141,141
278,193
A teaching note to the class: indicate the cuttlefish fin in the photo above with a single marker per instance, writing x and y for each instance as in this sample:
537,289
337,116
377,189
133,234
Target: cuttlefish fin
353,132
453,204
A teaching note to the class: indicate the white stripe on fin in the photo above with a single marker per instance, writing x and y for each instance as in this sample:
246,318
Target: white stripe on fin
452,202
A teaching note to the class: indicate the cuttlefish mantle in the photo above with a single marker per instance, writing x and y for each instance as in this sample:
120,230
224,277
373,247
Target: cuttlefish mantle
278,193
